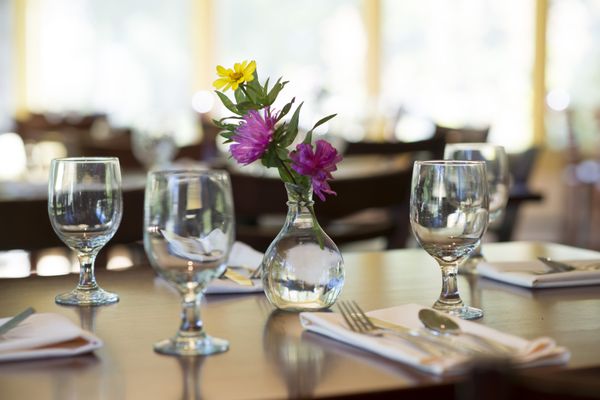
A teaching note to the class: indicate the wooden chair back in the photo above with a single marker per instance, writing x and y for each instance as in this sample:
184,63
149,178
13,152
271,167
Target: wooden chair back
462,135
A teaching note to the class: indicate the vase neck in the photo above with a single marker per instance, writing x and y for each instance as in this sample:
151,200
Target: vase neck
300,206
299,195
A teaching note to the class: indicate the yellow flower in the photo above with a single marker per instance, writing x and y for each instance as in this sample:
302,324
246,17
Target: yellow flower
232,78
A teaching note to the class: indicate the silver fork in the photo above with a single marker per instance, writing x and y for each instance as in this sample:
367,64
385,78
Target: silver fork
359,322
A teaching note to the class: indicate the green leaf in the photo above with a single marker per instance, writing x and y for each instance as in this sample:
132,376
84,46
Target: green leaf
227,134
285,109
279,131
227,103
284,174
308,137
292,129
322,121
221,121
254,93
269,159
282,153
246,106
274,92
240,96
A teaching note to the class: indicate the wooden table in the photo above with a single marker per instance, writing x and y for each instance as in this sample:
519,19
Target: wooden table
270,356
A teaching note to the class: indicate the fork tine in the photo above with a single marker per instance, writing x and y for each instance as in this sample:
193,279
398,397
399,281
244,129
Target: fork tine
363,316
347,314
256,273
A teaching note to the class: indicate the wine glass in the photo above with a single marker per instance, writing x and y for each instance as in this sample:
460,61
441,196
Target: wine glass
449,215
498,175
188,233
85,206
153,144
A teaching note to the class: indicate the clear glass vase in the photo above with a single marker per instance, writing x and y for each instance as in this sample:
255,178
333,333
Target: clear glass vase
303,270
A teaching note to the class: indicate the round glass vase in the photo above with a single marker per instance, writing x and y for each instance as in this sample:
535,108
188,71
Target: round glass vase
303,269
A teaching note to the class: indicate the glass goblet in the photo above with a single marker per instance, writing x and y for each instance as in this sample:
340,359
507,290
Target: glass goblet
85,206
188,233
449,215
153,145
498,176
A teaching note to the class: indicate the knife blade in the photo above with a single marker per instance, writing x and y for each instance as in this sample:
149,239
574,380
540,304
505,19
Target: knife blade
238,278
448,344
16,320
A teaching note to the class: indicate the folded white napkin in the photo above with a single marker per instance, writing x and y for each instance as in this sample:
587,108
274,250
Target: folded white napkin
523,273
43,336
241,255
540,351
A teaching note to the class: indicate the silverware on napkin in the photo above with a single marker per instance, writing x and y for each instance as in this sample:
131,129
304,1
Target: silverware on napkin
237,277
560,266
16,320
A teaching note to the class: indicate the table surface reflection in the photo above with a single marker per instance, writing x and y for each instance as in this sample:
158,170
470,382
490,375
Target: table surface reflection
270,355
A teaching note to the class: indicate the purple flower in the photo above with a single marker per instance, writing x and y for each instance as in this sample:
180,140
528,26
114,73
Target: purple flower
253,136
318,165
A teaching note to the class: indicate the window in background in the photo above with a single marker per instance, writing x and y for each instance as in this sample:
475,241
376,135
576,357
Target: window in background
130,59
573,73
6,107
458,63
319,46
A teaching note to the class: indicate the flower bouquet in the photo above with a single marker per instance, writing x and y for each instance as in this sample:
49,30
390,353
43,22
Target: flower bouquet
302,268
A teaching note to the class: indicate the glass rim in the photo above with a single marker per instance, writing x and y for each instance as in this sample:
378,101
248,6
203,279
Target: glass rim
86,159
449,162
474,145
187,171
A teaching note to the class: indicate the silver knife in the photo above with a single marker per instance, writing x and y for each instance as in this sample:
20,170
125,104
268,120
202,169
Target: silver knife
16,320
443,343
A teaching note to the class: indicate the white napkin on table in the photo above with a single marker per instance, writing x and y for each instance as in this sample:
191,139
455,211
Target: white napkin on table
43,336
540,351
241,255
522,273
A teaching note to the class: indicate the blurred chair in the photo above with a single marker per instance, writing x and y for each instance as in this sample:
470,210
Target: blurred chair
366,207
27,225
461,135
73,126
424,149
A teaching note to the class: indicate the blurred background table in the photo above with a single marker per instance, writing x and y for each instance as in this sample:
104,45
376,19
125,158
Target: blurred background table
270,355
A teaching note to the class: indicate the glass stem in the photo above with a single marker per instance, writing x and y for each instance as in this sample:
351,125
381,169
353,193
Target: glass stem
191,322
87,280
449,294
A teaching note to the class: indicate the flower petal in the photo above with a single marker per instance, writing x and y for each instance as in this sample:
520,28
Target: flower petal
222,71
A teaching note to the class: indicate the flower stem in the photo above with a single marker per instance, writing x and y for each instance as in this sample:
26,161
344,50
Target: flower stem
287,171
318,232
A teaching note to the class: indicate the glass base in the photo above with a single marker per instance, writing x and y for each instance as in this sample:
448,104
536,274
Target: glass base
462,311
191,346
94,297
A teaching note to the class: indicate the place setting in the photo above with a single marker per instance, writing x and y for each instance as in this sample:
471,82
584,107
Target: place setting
449,210
543,272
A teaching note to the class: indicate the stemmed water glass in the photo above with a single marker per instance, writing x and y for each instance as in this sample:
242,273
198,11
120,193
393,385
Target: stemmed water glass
449,215
188,233
153,144
498,175
85,206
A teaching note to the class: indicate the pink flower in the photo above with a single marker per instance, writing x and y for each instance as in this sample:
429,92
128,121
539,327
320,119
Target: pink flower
318,165
253,136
